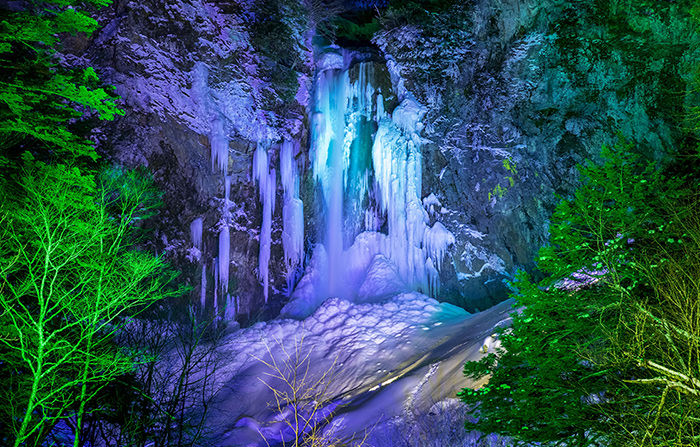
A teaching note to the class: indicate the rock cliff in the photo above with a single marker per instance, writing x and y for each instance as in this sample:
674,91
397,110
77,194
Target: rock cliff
517,92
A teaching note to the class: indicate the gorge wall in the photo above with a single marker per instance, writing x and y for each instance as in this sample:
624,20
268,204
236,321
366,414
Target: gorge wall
514,94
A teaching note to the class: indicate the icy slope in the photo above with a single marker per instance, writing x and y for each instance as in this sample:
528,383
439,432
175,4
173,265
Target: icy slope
403,354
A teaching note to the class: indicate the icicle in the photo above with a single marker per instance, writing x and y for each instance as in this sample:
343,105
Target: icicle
432,204
215,261
196,233
225,239
267,184
224,253
203,289
287,168
365,89
230,310
436,240
227,188
380,108
219,146
293,232
218,137
371,219
433,277
292,212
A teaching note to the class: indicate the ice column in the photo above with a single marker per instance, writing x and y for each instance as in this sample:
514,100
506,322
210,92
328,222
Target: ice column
215,265
292,211
203,289
415,247
266,179
328,149
397,170
224,246
196,228
196,233
225,240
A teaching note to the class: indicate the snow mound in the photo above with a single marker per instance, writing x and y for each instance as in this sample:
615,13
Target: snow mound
357,333
381,282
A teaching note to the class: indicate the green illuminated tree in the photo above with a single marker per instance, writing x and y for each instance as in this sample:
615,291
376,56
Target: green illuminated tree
40,97
70,276
594,356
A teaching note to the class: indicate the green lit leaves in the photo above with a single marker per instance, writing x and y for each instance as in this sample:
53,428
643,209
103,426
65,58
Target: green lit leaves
89,76
73,21
39,100
539,374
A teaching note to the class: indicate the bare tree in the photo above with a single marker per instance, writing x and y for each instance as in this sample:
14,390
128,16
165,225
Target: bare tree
69,275
301,395
171,393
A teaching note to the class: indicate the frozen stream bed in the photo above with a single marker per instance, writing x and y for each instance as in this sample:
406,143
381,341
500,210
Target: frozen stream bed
380,361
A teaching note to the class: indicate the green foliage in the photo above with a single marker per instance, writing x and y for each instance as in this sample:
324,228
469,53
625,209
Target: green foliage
554,362
341,28
70,275
71,271
510,166
40,98
416,12
498,191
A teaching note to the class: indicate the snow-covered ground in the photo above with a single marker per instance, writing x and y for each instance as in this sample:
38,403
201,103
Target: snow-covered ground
380,360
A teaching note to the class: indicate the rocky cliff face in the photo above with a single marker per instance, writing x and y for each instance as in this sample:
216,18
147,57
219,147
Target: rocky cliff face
517,93
203,84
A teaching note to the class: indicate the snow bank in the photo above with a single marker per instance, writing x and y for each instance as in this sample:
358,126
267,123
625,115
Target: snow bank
405,351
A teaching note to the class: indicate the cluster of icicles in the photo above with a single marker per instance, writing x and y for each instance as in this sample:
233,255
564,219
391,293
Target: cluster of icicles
367,166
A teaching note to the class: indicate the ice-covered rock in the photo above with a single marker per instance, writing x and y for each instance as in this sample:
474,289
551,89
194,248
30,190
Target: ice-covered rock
200,97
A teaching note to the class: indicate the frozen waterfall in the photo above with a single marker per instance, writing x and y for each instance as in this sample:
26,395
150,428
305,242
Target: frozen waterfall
367,166
377,232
